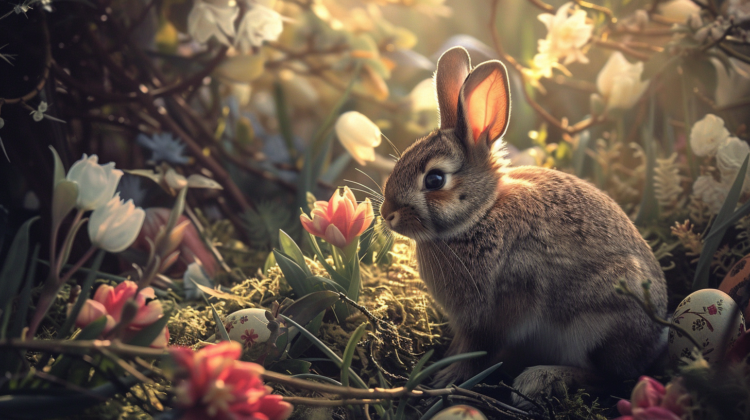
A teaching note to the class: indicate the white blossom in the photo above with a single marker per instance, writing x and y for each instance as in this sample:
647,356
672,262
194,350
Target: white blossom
358,135
711,192
678,10
567,32
729,158
207,19
619,82
259,24
707,135
114,226
96,183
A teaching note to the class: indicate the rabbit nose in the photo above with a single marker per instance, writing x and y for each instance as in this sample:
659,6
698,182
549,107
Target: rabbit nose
392,219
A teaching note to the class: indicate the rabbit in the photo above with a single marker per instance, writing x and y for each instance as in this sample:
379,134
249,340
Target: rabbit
524,261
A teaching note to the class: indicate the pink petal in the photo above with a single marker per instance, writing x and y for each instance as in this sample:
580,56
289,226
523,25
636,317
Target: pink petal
308,225
90,312
654,413
647,392
148,314
103,292
334,236
624,407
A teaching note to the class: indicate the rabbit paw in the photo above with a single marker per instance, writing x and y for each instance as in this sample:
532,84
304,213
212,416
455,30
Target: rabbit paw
536,381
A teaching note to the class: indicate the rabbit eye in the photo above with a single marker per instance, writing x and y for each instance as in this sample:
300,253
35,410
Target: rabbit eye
434,180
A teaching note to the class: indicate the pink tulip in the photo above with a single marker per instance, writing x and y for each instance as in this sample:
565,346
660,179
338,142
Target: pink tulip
339,220
108,301
213,384
191,246
650,400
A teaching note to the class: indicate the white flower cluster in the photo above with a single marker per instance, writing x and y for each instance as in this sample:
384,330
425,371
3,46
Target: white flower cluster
216,18
709,138
567,33
619,82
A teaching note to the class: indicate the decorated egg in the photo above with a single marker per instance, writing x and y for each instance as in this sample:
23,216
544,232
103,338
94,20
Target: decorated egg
248,327
460,412
712,318
736,283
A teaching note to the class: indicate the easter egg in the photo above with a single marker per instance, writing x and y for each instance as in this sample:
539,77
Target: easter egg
736,283
460,412
248,327
712,318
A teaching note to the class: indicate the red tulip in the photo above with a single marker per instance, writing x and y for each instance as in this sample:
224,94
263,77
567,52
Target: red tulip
339,220
213,384
650,400
109,301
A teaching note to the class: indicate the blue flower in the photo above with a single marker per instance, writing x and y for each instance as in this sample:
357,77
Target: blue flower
164,147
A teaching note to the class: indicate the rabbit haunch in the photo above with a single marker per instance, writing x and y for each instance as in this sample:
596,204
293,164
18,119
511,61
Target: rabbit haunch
524,261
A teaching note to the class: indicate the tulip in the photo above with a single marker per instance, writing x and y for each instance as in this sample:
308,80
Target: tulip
707,135
186,240
358,135
109,302
114,226
96,183
213,384
619,82
259,24
339,220
650,400
678,10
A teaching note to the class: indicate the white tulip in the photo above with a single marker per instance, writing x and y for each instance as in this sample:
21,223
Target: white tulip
96,183
620,83
209,19
678,10
114,226
358,135
259,24
711,192
707,135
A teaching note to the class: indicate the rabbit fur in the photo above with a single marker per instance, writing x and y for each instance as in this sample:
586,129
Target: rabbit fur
524,261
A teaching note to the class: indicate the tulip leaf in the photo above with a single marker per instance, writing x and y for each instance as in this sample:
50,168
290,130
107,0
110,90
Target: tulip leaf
384,250
285,125
302,343
338,278
479,377
354,282
293,274
307,307
200,181
217,319
68,245
14,266
88,282
317,377
59,174
291,249
579,155
718,229
24,299
346,361
177,209
270,262
64,200
291,367
147,335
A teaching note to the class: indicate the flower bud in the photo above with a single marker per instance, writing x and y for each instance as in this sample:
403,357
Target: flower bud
115,225
96,183
358,135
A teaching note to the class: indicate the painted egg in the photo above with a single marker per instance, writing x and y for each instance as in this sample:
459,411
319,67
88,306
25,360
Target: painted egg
736,283
712,318
247,326
460,412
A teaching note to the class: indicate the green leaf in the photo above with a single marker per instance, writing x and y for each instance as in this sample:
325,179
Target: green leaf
440,364
93,330
59,173
649,210
418,367
383,252
24,300
317,377
579,155
658,63
217,319
355,281
718,229
307,307
318,282
285,124
338,278
466,385
335,168
270,262
15,264
264,222
63,201
146,336
293,274
349,353
177,209
88,282
291,249
302,343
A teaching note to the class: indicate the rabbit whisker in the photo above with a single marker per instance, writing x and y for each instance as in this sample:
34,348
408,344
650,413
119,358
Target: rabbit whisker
395,149
368,176
365,187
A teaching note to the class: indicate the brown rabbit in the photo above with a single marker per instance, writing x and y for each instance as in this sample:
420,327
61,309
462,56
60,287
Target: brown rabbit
524,261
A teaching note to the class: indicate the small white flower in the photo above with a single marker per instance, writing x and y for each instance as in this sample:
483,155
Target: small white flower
729,158
707,135
114,226
711,192
620,82
358,135
567,32
208,19
38,115
259,24
678,10
96,183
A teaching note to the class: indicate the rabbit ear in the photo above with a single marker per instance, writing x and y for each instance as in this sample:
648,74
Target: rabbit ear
452,68
484,105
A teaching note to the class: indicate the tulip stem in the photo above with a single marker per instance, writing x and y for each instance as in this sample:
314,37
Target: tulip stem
77,265
63,251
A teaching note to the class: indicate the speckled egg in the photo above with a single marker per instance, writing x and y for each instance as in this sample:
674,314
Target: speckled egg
247,327
712,318
736,284
460,412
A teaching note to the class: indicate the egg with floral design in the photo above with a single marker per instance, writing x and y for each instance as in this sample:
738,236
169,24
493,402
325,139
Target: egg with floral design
737,284
712,318
247,327
460,412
